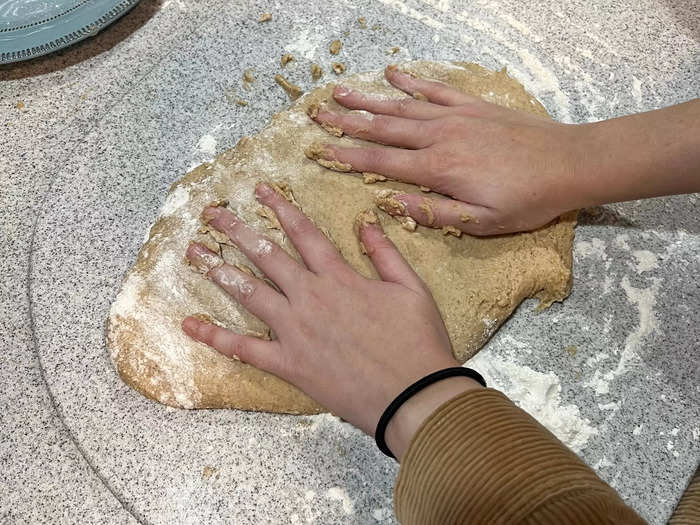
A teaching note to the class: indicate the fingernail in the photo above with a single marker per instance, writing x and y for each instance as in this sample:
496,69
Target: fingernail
341,91
262,190
392,68
201,258
209,214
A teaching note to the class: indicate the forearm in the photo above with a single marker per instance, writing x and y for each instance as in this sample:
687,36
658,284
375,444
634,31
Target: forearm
639,156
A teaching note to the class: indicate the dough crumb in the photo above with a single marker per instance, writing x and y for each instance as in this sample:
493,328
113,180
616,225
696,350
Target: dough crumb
266,335
420,96
292,90
241,102
248,78
362,220
466,217
338,68
245,269
386,201
363,22
393,50
335,47
428,210
335,165
316,72
451,230
407,223
20,105
270,218
333,130
286,59
316,150
571,350
265,17
203,317
285,190
424,189
312,110
370,178
367,217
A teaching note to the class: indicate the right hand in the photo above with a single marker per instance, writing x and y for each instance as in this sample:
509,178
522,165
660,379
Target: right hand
504,170
351,343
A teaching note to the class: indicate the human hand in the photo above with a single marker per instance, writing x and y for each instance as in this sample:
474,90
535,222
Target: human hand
351,343
504,170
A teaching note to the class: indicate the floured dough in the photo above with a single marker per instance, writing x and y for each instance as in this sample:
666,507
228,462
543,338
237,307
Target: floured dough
477,282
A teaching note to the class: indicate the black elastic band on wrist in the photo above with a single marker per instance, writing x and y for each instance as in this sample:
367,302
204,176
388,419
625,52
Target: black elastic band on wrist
411,391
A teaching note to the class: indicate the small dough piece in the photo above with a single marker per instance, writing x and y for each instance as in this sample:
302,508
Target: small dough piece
386,201
466,217
451,230
265,17
363,22
424,189
370,178
427,209
315,152
292,90
338,68
476,281
316,72
335,47
248,78
407,223
286,59
420,96
393,50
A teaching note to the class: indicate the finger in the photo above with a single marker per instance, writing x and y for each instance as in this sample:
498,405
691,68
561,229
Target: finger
316,250
393,131
257,352
402,107
277,264
452,216
254,294
386,258
435,92
395,163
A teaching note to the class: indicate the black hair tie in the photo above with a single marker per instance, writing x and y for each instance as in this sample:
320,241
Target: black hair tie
411,391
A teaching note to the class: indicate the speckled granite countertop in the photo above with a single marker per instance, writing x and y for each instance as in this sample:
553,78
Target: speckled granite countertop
102,130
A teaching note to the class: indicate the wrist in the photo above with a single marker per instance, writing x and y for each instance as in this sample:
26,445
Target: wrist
409,417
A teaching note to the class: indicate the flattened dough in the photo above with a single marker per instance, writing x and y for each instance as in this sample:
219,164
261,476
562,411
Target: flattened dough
477,282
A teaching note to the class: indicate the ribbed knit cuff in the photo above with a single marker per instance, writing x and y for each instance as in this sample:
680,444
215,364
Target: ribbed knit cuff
688,510
480,459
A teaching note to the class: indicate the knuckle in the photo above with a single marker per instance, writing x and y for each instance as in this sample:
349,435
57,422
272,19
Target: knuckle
375,157
403,106
381,124
299,225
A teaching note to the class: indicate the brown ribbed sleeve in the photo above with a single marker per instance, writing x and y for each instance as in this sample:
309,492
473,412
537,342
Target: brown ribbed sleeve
480,459
688,510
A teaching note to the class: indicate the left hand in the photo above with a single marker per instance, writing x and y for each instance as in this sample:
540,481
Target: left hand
351,343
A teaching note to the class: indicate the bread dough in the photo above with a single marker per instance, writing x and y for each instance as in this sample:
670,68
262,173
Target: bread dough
477,282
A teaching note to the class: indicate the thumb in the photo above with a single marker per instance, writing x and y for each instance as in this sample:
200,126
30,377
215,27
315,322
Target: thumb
386,258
